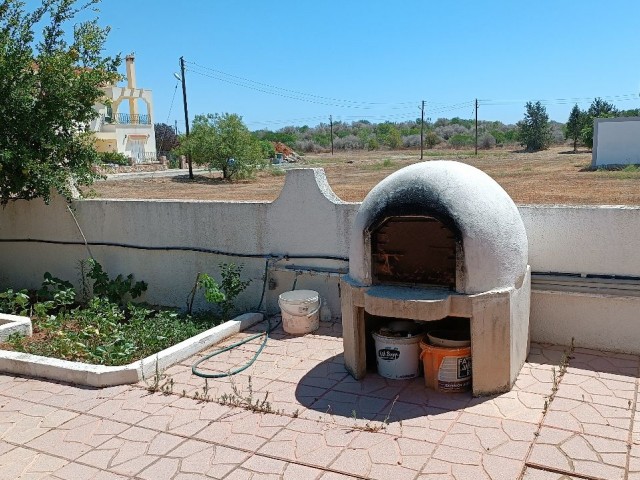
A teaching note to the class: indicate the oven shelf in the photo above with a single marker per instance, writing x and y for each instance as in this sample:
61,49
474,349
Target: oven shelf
422,304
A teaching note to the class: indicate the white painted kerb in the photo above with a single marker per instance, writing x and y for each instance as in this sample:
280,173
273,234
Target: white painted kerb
18,363
10,324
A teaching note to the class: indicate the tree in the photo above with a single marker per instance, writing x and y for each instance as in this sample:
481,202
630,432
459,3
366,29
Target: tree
224,143
166,138
48,88
598,109
534,131
574,126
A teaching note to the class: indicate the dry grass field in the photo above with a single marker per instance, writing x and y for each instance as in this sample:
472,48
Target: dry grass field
555,176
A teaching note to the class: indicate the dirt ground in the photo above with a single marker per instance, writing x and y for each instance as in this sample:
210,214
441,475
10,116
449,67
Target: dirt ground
554,176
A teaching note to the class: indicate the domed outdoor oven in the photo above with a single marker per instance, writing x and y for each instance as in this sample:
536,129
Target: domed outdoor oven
441,240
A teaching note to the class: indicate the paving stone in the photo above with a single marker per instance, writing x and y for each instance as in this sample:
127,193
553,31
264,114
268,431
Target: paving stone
419,422
347,409
589,418
263,468
243,429
535,380
581,454
25,463
77,436
536,474
381,456
22,421
450,463
373,386
514,405
184,416
309,442
201,459
499,437
546,356
597,390
612,366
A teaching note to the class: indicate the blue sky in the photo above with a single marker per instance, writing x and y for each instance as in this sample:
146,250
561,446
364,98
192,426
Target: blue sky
378,59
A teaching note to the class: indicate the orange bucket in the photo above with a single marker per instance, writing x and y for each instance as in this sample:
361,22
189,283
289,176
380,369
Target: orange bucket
446,369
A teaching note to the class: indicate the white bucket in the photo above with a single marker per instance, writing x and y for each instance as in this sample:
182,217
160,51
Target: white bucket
398,357
300,311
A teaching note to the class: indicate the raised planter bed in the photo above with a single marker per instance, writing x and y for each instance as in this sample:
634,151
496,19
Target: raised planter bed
79,373
10,324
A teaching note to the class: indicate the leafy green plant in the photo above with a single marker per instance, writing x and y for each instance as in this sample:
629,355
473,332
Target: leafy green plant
56,292
222,294
104,333
14,302
118,290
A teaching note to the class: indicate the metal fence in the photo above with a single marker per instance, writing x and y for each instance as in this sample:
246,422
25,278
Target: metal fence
129,119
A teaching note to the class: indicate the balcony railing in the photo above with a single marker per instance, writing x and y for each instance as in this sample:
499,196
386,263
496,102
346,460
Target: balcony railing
129,119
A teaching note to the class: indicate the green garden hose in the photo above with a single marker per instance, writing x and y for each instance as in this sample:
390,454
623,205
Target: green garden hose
194,367
195,370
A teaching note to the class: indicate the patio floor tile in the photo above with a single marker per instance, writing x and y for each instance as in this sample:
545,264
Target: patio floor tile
243,429
589,418
309,442
183,416
546,356
514,405
596,390
499,437
77,436
259,467
381,456
25,463
576,453
537,474
419,422
312,420
450,463
612,366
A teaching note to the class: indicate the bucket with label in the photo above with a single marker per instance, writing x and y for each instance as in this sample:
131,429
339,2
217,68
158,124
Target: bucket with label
397,349
300,311
446,358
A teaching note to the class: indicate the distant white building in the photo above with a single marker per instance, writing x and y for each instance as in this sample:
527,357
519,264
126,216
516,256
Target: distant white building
616,141
125,121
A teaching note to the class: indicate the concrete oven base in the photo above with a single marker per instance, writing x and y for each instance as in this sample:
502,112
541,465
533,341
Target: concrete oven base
499,321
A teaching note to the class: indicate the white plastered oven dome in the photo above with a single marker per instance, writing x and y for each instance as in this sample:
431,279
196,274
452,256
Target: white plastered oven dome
481,214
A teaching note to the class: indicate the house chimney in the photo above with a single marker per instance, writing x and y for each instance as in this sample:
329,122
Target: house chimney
131,71
131,83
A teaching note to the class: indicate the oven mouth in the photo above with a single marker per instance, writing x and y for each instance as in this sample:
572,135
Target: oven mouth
415,250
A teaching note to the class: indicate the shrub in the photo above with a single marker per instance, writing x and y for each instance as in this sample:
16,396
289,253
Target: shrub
431,139
350,142
373,144
449,131
267,148
308,146
410,141
486,141
114,158
461,140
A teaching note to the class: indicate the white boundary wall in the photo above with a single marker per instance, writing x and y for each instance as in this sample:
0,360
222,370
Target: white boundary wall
616,141
308,219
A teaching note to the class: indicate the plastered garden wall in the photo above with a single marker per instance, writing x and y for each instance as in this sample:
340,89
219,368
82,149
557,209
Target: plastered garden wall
166,243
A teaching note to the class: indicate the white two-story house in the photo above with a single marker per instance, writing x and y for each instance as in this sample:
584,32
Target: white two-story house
125,121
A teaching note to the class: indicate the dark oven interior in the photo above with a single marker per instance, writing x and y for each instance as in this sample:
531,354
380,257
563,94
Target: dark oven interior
414,250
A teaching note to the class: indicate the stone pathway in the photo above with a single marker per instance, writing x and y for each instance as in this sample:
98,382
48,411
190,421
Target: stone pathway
568,417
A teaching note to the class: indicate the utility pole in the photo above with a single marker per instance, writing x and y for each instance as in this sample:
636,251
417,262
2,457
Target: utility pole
476,126
186,112
331,126
422,132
